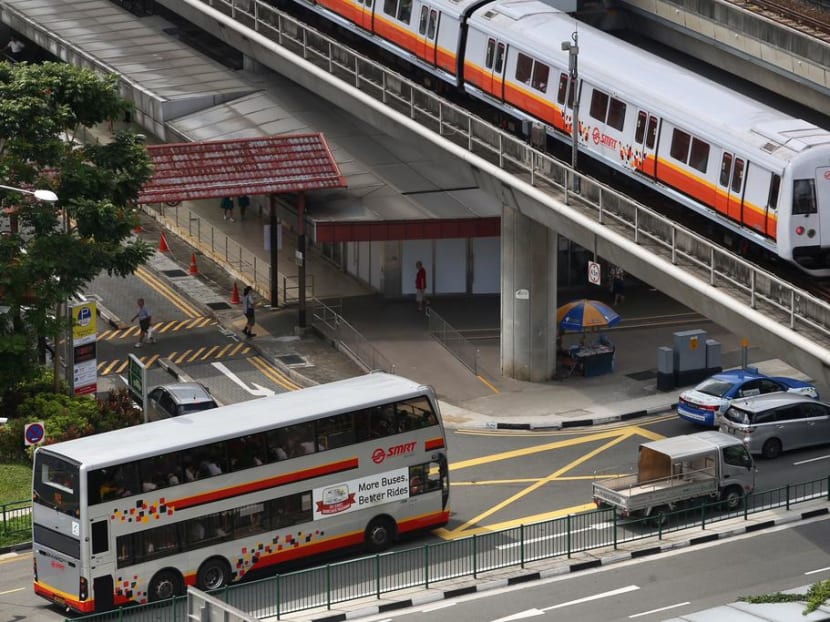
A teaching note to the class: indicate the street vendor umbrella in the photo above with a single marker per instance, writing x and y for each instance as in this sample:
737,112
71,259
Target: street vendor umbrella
582,315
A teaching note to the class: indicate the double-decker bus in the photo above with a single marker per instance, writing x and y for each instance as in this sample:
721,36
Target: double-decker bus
136,515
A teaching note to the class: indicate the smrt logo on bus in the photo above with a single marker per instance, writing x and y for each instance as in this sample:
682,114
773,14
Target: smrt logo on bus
379,455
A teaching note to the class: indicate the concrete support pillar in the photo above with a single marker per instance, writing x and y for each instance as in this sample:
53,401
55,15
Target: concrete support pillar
528,300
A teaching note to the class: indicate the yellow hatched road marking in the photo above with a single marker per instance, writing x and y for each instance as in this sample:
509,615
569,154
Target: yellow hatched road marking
209,353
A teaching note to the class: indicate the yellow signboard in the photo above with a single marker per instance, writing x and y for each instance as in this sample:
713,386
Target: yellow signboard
84,318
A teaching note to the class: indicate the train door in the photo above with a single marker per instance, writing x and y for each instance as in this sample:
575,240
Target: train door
729,197
822,198
365,17
427,31
494,62
760,199
645,141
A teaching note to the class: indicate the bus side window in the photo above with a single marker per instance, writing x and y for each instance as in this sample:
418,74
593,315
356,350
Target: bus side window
337,431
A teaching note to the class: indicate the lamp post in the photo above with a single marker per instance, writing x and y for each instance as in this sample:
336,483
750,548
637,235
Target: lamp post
573,97
40,195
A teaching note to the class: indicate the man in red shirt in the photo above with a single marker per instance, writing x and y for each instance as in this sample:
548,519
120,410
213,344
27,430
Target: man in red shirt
420,285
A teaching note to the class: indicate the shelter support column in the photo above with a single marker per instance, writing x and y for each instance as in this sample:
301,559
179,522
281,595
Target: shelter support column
274,244
528,298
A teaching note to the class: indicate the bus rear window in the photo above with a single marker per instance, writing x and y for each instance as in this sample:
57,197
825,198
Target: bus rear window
56,483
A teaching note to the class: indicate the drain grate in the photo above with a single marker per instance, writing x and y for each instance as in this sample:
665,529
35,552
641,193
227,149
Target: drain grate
218,306
643,375
172,273
291,359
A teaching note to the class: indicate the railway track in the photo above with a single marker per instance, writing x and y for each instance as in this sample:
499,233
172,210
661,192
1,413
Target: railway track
807,18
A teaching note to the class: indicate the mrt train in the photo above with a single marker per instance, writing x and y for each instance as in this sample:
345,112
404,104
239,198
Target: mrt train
758,172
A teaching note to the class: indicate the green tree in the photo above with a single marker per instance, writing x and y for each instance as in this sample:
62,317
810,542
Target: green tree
61,246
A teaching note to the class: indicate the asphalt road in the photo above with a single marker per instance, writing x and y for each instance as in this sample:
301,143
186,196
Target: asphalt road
670,585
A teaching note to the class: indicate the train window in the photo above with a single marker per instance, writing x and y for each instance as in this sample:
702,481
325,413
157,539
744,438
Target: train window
422,23
433,24
725,169
640,130
774,188
651,136
563,88
804,196
540,77
699,157
405,11
499,64
599,105
390,7
524,68
738,175
680,141
616,114
491,52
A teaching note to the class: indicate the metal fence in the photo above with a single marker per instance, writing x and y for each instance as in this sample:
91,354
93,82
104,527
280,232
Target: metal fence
346,338
456,343
376,575
718,267
16,517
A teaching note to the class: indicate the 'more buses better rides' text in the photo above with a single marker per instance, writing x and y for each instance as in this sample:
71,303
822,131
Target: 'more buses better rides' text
135,515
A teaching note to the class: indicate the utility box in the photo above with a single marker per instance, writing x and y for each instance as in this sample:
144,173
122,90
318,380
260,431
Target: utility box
713,361
665,368
689,357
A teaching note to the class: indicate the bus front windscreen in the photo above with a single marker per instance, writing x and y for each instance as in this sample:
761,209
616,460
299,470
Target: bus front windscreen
56,483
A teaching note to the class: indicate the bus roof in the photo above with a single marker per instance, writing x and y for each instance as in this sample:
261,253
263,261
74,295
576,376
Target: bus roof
158,437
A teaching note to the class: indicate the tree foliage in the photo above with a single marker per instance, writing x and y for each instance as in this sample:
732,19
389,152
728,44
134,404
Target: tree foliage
61,246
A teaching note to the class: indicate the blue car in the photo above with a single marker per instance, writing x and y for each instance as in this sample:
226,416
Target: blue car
710,399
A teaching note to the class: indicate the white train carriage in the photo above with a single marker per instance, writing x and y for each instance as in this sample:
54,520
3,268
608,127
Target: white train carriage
425,33
753,169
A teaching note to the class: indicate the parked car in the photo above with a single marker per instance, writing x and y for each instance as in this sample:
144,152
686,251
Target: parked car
173,400
710,399
770,424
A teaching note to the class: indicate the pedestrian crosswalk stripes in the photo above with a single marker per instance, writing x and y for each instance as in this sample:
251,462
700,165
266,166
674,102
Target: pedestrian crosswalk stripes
171,326
119,366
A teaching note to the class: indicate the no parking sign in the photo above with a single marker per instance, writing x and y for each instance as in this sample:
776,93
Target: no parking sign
34,433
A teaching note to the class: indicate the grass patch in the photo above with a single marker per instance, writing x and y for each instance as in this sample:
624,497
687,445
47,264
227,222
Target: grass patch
15,482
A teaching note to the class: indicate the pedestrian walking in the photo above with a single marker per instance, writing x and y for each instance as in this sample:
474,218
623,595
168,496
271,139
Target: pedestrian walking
14,49
420,284
244,201
145,320
248,308
227,208
617,286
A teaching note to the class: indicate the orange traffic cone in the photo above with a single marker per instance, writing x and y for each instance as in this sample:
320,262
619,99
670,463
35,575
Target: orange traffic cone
163,243
193,268
235,300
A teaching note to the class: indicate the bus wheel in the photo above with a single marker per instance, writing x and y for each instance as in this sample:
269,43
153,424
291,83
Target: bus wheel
213,574
379,534
166,584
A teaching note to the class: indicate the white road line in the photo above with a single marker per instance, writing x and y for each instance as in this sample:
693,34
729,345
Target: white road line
800,462
501,547
818,570
19,589
258,390
622,590
442,605
646,613
527,613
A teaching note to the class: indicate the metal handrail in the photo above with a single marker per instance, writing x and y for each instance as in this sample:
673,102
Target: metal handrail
455,343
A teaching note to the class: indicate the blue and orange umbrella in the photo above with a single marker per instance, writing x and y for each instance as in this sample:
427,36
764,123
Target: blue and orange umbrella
584,314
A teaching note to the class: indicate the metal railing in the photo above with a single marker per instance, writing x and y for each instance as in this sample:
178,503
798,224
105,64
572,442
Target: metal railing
16,517
376,575
347,338
214,243
714,265
455,343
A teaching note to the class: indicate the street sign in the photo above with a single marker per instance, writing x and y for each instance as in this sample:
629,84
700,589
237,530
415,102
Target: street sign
137,382
33,433
594,273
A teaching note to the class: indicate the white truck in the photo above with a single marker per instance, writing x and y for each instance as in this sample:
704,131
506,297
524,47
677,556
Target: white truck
673,471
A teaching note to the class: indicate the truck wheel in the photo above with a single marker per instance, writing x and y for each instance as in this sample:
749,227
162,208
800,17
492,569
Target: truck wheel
659,516
771,449
731,498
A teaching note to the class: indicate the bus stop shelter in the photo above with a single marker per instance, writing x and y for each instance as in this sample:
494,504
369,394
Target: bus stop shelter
271,165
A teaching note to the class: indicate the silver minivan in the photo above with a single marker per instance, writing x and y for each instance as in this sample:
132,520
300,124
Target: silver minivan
772,423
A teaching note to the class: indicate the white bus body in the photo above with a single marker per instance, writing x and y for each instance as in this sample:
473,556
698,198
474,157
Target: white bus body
136,515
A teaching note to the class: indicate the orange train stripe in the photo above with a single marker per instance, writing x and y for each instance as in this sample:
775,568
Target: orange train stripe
271,482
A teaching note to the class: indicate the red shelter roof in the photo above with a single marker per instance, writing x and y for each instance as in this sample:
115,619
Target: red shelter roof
213,169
